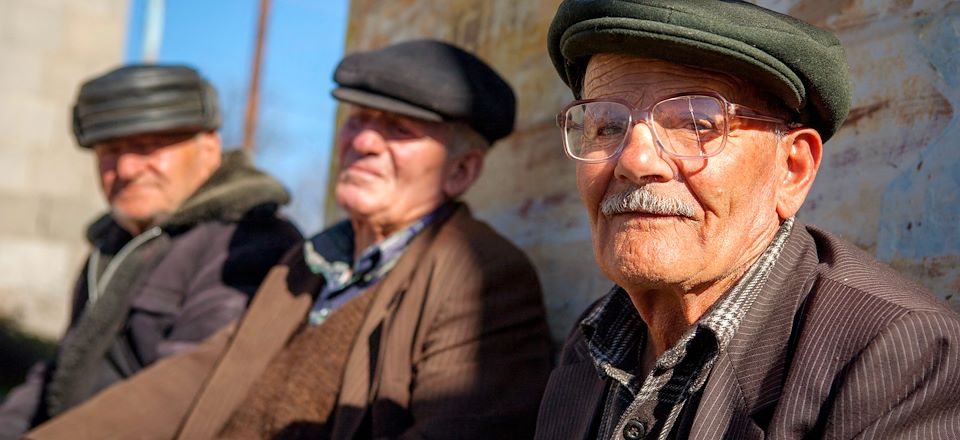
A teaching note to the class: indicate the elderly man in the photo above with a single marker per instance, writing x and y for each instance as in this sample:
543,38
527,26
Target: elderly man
410,319
189,237
697,133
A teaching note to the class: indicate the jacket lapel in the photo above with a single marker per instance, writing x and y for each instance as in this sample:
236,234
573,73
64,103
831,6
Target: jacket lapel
278,309
361,376
745,385
578,394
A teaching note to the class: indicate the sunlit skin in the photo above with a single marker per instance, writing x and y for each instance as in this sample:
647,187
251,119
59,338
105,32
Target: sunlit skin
394,170
147,177
674,268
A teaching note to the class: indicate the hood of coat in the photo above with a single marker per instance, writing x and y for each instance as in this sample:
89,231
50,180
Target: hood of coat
235,189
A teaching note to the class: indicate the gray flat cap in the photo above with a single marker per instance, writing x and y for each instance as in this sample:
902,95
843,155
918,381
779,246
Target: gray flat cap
430,80
139,99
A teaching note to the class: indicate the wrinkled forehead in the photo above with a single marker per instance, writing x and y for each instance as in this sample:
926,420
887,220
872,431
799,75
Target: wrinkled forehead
643,81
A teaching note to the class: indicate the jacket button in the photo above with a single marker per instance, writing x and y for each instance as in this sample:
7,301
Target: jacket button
634,430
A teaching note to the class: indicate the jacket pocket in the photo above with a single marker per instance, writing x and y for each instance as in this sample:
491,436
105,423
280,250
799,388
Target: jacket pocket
153,313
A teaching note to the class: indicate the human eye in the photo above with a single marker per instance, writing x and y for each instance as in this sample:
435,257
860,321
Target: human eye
700,123
603,126
401,130
353,122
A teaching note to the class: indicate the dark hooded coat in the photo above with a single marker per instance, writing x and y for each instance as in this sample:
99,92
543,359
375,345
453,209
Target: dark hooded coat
142,298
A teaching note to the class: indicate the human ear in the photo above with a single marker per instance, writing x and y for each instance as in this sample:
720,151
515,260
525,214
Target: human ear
799,154
462,171
211,148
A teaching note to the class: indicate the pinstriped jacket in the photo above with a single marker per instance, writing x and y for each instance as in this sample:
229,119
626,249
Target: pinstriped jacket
836,346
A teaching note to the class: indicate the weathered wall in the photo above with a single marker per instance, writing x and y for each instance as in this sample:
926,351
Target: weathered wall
888,181
48,190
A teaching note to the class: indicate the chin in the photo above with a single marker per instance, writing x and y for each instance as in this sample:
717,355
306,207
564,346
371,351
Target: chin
359,202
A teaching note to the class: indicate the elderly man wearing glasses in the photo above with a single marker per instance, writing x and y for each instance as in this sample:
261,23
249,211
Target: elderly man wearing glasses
697,133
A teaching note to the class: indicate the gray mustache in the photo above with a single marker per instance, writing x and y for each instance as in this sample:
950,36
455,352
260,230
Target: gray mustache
643,200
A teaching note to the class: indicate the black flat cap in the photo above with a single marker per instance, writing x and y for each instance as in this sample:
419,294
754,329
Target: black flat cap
803,65
430,80
144,98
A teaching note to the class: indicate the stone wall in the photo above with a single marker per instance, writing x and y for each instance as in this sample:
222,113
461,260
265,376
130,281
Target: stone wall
889,178
48,189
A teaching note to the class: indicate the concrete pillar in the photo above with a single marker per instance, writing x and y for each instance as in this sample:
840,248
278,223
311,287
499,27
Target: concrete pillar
48,187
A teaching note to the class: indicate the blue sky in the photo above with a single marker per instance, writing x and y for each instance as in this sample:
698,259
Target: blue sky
304,42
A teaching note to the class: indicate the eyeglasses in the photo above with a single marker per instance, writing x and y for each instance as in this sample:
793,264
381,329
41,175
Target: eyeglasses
685,126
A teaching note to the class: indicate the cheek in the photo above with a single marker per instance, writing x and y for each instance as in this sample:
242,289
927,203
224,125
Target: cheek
342,151
107,173
592,180
422,171
107,176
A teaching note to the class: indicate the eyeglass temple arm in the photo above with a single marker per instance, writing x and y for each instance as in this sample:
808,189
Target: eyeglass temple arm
749,113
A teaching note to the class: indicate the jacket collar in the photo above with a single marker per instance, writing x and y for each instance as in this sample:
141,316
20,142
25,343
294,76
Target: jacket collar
763,340
361,376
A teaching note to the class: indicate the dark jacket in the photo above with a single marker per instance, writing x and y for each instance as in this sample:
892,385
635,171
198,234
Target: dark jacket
836,346
160,292
454,345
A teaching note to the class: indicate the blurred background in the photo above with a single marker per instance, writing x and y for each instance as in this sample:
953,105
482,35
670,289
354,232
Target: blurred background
888,181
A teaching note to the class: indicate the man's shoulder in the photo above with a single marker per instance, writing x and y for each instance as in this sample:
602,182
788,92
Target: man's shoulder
259,230
846,269
854,295
465,235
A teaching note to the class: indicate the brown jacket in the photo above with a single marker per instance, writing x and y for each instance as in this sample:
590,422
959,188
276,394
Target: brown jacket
455,345
836,346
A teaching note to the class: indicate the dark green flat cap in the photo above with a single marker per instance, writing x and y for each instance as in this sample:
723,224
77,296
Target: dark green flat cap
803,65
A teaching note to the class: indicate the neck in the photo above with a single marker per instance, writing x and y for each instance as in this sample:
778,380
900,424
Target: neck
365,234
669,313
135,226
368,231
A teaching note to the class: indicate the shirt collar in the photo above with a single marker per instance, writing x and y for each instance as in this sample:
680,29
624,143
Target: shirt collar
330,253
615,334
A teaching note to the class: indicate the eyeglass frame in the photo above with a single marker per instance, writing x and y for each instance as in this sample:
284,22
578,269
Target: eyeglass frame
732,110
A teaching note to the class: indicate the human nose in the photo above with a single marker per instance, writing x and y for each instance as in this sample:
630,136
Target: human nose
365,139
130,165
642,160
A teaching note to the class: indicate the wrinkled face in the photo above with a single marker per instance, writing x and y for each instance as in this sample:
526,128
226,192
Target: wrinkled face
392,168
146,177
716,215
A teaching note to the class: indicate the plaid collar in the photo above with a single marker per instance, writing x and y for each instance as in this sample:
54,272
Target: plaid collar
330,253
615,336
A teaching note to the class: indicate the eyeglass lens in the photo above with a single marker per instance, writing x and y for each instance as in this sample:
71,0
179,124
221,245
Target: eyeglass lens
685,126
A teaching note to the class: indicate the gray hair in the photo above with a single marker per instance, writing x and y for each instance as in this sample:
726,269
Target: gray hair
461,138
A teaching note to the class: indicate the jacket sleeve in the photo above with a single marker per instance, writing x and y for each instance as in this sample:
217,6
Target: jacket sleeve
904,384
22,404
226,276
150,406
486,354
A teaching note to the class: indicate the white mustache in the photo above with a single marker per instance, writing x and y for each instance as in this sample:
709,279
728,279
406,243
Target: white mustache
643,200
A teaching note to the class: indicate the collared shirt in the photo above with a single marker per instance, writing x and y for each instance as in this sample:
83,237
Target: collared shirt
640,407
330,255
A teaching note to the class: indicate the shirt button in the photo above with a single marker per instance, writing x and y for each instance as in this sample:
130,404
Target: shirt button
634,430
